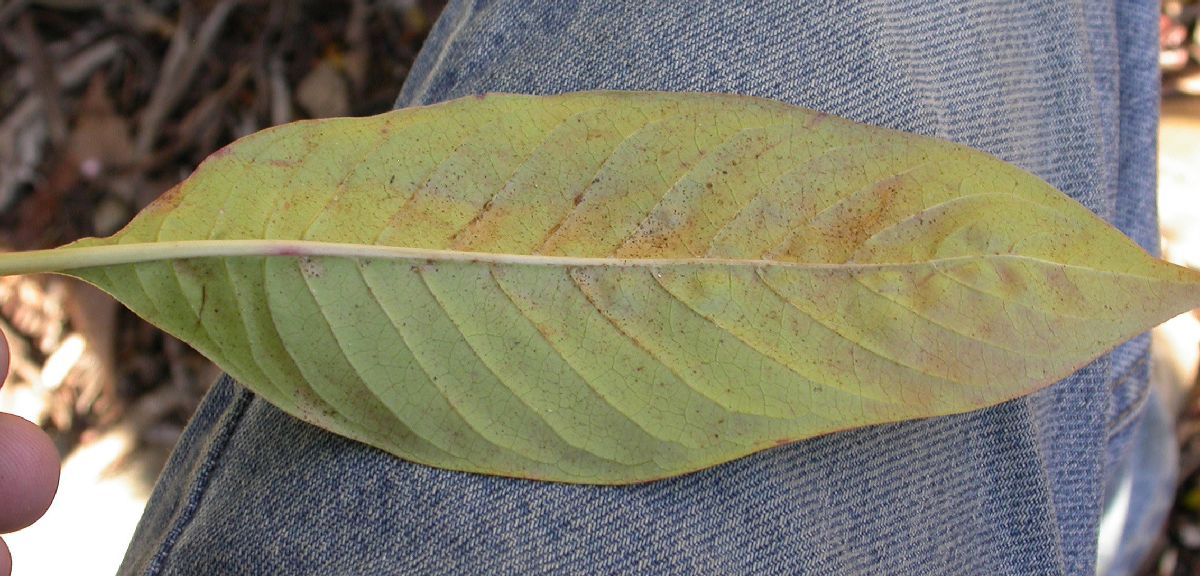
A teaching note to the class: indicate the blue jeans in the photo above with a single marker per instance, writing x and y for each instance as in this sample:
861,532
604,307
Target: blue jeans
1065,89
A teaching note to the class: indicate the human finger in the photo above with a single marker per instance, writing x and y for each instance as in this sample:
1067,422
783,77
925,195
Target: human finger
5,559
28,472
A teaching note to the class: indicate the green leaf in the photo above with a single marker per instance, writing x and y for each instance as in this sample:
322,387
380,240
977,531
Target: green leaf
619,287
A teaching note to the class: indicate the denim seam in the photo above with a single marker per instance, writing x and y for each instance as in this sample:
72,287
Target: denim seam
1126,375
431,75
200,487
1128,416
1105,204
1060,554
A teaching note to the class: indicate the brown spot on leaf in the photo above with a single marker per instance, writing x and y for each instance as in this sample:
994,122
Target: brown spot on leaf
1011,281
166,202
311,267
859,222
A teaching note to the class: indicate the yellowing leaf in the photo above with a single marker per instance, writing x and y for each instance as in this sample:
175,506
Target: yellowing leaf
619,287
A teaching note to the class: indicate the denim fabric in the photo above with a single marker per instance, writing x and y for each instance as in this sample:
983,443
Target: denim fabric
1062,88
1142,495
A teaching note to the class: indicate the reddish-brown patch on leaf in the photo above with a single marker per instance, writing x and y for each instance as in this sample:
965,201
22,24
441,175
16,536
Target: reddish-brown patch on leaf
968,274
1012,282
927,293
476,232
859,221
167,201
221,152
816,120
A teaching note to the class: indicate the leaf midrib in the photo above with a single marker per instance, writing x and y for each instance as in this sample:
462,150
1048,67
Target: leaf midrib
73,258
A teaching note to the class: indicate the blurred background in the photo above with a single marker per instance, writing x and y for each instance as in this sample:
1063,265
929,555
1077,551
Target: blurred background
104,104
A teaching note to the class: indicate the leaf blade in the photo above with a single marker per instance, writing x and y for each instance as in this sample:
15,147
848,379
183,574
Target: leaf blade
619,287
